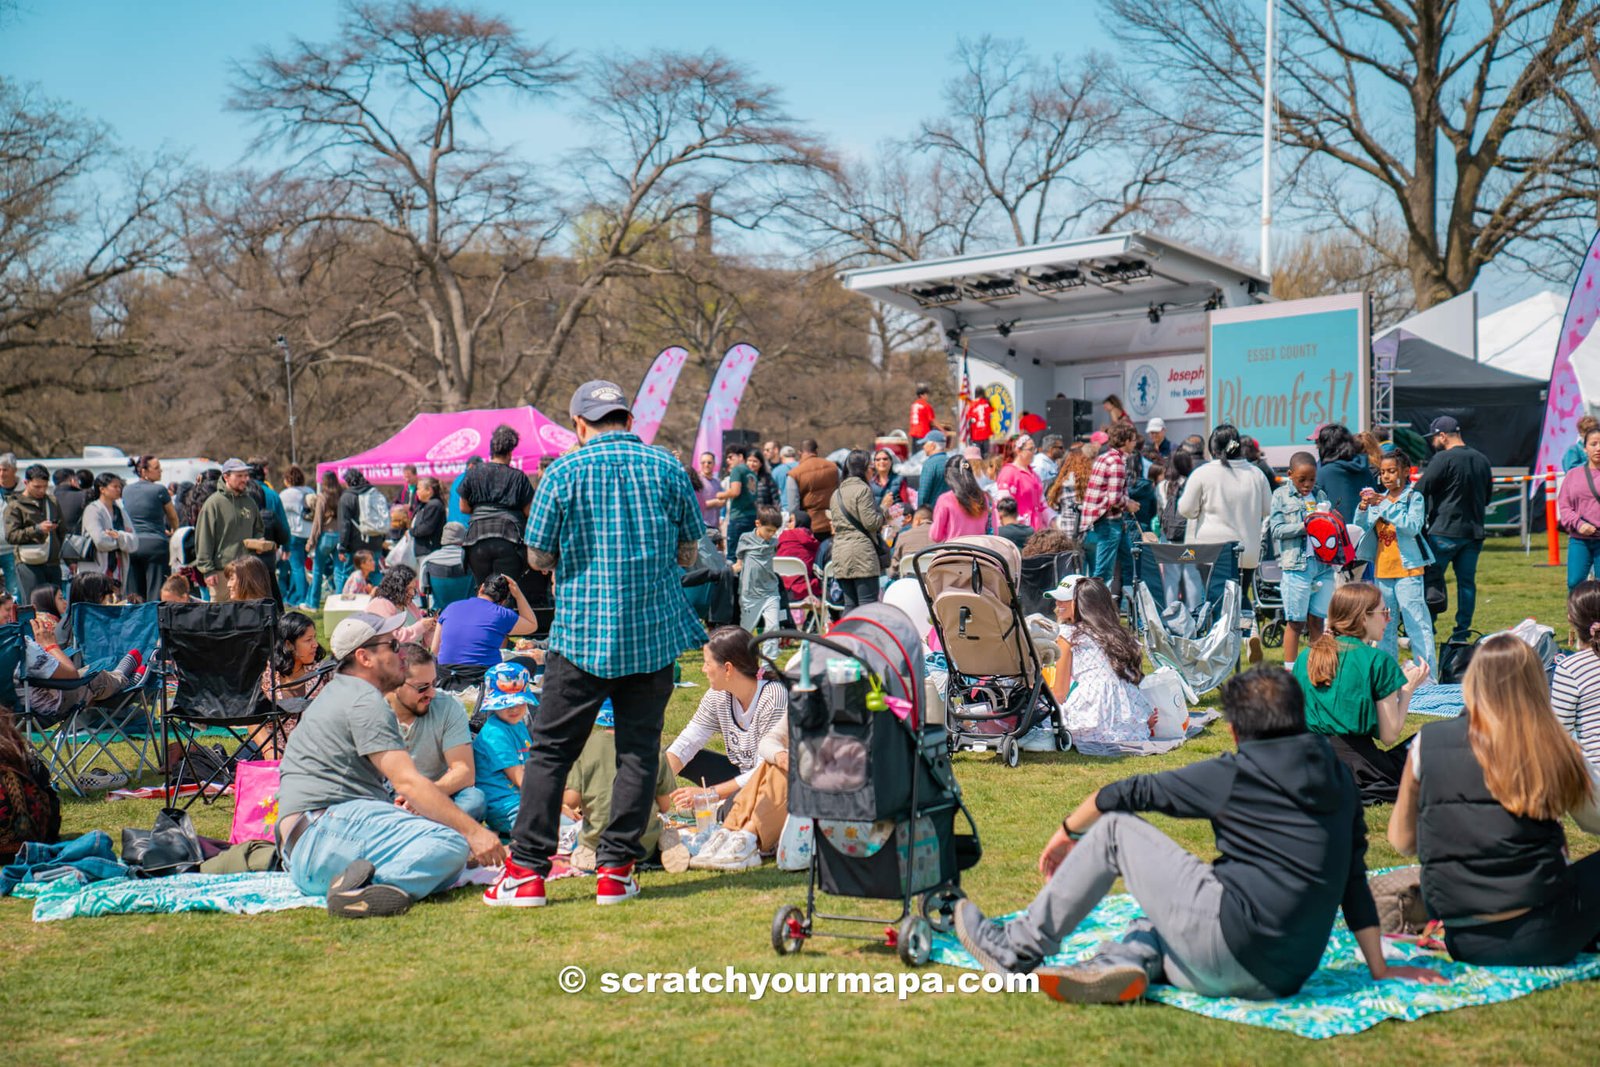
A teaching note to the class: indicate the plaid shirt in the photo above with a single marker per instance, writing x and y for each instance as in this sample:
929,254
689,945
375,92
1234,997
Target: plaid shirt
613,514
1106,495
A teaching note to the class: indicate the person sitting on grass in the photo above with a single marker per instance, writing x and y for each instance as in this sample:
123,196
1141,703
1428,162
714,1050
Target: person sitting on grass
436,730
501,747
248,579
473,631
1481,805
588,796
1575,689
1097,674
1357,694
1290,829
177,590
362,566
1013,530
752,717
396,594
1307,581
339,832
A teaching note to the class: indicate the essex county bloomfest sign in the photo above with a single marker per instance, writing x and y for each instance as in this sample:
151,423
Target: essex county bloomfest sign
1279,371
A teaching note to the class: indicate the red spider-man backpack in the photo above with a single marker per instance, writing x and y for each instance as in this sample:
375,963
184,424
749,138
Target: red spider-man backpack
1330,541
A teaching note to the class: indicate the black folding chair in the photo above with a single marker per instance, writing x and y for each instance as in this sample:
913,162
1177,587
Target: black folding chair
1040,574
217,653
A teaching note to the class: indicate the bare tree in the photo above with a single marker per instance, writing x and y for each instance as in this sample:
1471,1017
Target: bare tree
674,130
1344,262
381,121
1040,150
1439,115
66,256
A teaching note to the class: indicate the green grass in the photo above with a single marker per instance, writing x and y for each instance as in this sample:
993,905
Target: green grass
455,981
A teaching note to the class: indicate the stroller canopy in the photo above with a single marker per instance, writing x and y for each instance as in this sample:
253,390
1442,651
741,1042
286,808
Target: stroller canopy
888,642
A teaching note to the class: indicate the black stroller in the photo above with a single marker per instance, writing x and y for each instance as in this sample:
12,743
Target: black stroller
875,779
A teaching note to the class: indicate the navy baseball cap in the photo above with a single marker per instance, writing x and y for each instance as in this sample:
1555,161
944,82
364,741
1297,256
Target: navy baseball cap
597,399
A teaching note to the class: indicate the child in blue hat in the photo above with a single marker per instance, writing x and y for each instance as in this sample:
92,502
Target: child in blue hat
501,747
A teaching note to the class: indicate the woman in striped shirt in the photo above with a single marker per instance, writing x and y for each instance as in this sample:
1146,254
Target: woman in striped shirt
1575,690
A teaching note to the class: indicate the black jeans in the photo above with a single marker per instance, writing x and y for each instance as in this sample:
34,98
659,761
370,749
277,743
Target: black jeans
1545,937
1377,771
31,576
560,728
853,592
145,577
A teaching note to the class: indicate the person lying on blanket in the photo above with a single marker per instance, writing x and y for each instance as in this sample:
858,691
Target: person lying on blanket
1254,924
1481,804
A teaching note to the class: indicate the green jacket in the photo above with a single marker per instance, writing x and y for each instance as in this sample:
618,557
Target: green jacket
23,516
220,531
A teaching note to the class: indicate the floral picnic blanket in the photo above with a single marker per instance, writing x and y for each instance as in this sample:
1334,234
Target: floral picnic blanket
1340,998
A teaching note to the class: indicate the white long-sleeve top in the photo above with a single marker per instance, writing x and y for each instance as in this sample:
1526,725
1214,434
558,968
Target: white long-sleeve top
750,735
1226,504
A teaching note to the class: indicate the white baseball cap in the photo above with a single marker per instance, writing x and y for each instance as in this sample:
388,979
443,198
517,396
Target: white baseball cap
359,629
1067,588
1155,426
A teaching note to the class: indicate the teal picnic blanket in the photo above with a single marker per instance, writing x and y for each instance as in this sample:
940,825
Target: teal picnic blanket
1340,998
236,894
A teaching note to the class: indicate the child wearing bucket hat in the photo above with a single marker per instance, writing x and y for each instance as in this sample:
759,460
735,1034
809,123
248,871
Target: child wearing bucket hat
501,747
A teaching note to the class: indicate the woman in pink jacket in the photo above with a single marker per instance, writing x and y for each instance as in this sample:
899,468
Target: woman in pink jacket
964,509
1017,479
1578,513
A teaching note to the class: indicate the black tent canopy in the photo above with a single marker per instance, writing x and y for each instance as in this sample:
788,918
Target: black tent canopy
1500,413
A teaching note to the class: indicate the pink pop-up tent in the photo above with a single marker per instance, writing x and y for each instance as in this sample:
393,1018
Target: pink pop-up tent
440,444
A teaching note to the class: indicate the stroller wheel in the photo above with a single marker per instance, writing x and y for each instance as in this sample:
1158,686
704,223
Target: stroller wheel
788,930
1010,751
915,942
939,907
1272,633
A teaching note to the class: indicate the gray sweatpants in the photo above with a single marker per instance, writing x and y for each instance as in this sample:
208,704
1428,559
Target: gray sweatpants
1179,942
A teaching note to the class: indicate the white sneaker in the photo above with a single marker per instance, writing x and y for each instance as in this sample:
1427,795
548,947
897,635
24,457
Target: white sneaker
741,852
702,860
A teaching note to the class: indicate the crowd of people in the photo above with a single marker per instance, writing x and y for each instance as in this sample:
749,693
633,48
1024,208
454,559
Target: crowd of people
580,587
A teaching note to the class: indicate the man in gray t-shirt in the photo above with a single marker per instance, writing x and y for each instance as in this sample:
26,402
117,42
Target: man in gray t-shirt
436,731
339,833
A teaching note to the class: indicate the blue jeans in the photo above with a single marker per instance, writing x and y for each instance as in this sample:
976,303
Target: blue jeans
1106,548
472,803
292,574
1462,553
1226,569
322,565
1583,560
8,575
415,854
1407,601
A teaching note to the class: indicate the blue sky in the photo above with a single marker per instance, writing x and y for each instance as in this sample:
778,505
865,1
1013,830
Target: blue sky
157,71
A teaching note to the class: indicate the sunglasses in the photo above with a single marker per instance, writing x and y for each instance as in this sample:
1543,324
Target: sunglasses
391,644
424,687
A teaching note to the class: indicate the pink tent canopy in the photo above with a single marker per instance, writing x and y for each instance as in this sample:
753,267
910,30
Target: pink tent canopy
440,444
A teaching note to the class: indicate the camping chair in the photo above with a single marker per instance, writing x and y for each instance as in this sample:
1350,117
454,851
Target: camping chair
1041,574
218,654
791,567
83,736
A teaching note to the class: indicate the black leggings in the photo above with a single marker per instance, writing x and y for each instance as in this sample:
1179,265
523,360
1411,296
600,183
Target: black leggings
1545,937
1377,771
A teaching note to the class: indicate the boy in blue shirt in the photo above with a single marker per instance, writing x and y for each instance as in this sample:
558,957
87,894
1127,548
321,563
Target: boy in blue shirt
501,747
1307,581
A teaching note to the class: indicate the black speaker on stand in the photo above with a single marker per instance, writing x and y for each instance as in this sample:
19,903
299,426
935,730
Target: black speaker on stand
1069,418
745,439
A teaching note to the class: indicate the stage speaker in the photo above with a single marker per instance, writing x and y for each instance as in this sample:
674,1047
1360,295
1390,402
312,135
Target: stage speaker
745,439
1069,418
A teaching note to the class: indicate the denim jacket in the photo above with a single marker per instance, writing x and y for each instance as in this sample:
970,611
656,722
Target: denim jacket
1287,525
1406,515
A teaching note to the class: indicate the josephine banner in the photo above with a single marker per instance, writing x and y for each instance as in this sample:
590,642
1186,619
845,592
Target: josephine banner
650,405
722,400
1565,400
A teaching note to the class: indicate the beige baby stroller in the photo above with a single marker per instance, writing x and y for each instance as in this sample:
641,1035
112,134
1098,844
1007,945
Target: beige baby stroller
994,687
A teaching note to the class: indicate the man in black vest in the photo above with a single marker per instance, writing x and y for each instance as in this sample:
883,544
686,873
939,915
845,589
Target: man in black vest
1289,824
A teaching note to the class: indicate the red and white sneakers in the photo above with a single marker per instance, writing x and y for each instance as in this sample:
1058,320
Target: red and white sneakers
613,885
517,887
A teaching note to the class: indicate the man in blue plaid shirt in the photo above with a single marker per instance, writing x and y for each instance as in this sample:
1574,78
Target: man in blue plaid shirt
616,521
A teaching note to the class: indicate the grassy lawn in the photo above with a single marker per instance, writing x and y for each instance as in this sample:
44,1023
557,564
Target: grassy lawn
455,981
